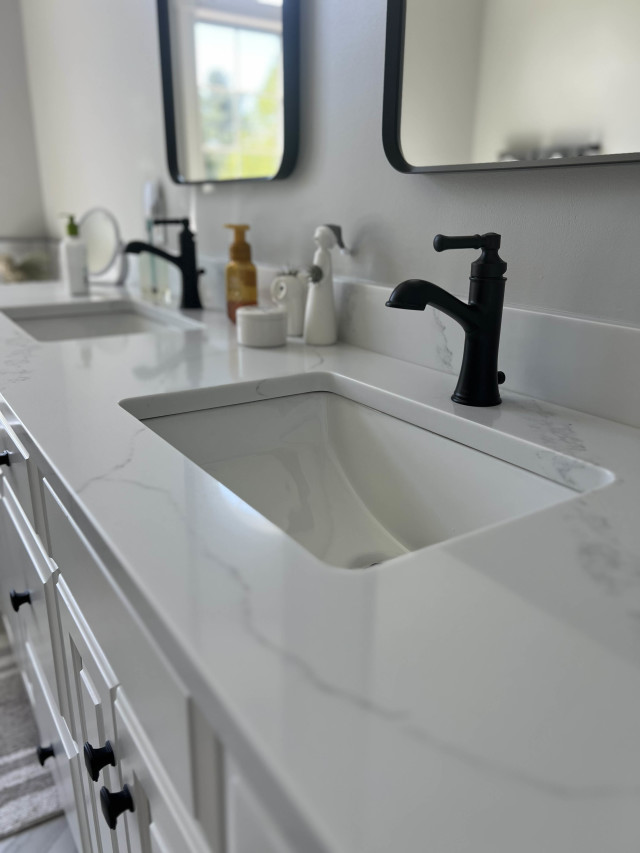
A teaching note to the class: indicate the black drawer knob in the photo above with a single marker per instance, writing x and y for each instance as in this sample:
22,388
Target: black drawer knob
4,458
114,803
19,598
44,752
95,758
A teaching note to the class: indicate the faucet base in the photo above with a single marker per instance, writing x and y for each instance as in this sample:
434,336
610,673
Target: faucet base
479,375
464,400
191,301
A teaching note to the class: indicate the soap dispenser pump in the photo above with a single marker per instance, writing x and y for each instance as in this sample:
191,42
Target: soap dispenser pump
240,276
320,321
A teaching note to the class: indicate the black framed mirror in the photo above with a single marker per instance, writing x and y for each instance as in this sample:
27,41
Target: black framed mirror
507,84
231,91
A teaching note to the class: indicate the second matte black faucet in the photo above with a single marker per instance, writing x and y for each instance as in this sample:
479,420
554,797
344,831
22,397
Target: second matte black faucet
185,261
481,318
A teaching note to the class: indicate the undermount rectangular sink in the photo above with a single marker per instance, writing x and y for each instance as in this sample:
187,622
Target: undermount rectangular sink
69,321
357,475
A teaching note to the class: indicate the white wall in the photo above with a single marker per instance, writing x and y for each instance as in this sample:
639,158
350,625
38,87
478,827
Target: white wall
571,236
96,95
20,199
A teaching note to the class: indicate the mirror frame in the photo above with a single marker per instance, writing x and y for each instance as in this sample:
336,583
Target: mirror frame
291,74
392,113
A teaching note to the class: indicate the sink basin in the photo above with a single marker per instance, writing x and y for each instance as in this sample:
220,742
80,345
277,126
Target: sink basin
354,474
61,322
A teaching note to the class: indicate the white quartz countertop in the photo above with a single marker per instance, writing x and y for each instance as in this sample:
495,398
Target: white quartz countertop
478,695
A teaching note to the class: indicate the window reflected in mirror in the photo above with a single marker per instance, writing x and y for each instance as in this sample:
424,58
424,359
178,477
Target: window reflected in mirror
228,88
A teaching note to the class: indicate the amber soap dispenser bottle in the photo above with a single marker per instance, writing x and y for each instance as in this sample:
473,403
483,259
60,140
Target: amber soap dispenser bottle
240,275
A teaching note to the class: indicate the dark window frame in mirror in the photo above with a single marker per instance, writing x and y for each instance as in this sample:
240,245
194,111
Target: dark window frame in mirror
291,82
392,115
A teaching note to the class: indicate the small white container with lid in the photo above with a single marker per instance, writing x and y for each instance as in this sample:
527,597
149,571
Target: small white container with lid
261,327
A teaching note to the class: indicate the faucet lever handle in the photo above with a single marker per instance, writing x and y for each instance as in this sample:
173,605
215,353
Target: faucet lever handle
475,241
183,222
489,265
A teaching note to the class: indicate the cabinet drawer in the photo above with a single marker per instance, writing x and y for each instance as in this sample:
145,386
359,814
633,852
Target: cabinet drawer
17,469
249,827
91,686
30,572
64,764
11,578
156,840
159,821
157,695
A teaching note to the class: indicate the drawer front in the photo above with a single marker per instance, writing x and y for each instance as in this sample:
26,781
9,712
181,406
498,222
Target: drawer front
209,782
157,841
249,827
12,577
91,686
17,471
156,694
64,765
96,733
159,820
30,571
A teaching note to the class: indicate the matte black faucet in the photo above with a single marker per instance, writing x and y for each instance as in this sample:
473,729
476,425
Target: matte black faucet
481,318
185,261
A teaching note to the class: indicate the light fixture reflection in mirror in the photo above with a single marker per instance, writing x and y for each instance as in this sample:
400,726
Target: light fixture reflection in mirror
507,83
227,77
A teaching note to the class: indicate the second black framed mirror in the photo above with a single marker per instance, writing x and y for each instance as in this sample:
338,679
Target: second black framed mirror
504,84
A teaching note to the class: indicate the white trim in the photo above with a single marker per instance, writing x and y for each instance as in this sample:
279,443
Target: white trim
235,20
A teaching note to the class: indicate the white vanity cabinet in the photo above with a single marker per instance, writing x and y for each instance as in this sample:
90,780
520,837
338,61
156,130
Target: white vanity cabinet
91,685
15,467
101,714
155,691
249,827
95,675
64,764
27,579
159,820
12,578
28,586
13,575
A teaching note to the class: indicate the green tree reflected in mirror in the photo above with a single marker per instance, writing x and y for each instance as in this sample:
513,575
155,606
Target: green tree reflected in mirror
240,91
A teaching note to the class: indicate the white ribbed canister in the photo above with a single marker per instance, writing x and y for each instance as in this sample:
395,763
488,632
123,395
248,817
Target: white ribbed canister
261,327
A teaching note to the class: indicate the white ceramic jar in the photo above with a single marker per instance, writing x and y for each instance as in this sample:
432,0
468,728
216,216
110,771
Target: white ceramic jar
261,327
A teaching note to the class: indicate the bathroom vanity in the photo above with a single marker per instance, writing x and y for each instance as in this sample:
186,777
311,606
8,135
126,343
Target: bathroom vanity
313,605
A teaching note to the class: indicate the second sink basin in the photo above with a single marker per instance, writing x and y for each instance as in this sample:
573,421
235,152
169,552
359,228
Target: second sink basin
358,484
73,321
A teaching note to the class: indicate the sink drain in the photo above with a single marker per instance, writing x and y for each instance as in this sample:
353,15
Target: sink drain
366,561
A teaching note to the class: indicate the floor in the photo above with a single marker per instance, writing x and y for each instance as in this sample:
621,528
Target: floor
50,837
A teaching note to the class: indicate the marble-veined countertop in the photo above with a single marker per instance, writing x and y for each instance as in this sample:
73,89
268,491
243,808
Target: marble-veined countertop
478,695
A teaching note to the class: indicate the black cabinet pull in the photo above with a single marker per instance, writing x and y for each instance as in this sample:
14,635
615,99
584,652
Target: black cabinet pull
95,758
19,598
4,458
44,752
114,803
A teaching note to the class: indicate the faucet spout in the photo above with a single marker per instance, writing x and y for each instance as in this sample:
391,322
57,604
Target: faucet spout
415,294
135,247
